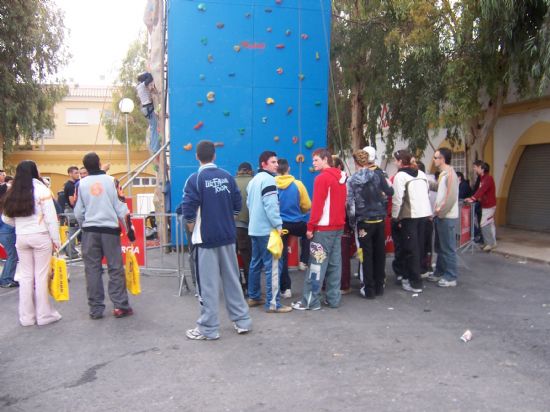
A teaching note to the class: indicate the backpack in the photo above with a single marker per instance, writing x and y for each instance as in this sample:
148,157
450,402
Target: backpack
372,197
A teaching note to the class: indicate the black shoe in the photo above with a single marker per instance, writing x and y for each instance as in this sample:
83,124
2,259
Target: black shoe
379,290
10,284
367,293
96,316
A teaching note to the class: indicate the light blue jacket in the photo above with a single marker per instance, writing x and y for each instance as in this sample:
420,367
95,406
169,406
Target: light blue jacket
263,205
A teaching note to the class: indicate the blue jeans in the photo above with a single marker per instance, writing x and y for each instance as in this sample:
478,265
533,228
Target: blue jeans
262,258
446,248
325,258
8,241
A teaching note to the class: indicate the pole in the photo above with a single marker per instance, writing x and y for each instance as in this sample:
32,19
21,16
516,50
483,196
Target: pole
128,156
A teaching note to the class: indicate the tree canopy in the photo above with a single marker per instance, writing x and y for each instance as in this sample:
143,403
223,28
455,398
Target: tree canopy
133,64
31,52
435,64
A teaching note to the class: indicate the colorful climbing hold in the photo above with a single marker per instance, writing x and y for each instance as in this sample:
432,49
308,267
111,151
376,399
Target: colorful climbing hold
268,10
304,36
269,29
278,1
237,48
294,139
308,144
188,146
317,57
198,125
199,103
312,169
289,110
300,158
210,96
220,25
241,131
210,58
226,113
201,7
317,102
231,74
279,70
301,76
280,46
204,41
288,32
219,144
276,138
202,76
269,101
264,119
248,15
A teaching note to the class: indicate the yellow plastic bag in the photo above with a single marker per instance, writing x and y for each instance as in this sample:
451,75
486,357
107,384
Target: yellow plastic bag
58,282
64,233
275,243
131,268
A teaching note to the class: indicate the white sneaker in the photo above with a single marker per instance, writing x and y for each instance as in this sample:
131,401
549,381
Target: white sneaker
406,285
240,331
434,278
488,248
195,334
444,283
302,266
286,294
425,275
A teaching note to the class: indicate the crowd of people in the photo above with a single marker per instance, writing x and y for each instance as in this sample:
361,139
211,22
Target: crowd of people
233,217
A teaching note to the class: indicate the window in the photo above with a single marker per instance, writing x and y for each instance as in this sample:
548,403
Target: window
144,181
458,161
82,116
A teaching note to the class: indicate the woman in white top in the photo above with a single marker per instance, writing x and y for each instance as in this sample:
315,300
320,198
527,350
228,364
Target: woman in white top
29,207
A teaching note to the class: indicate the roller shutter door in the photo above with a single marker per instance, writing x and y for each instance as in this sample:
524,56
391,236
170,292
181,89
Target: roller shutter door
529,195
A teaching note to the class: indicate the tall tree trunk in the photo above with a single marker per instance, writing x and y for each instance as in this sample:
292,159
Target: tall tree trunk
357,117
480,128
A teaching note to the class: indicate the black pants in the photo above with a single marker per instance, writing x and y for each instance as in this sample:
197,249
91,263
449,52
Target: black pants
372,240
426,255
244,247
398,264
412,239
298,229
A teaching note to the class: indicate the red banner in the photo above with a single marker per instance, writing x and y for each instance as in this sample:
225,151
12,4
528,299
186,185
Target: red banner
389,240
465,223
139,244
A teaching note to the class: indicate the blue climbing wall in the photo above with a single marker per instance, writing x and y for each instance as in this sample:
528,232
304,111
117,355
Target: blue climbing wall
250,76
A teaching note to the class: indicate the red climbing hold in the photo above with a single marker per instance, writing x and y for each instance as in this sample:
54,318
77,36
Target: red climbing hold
198,125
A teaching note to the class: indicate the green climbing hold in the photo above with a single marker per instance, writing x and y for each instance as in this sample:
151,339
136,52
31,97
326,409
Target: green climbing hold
264,120
241,131
312,169
226,113
204,41
202,76
308,144
201,7
317,102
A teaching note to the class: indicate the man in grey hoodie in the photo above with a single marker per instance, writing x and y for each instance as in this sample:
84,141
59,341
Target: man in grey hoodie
446,217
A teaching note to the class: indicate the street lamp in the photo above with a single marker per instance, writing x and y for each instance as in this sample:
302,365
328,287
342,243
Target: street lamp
126,106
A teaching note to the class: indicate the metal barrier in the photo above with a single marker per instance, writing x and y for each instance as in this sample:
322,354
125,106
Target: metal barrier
466,227
154,258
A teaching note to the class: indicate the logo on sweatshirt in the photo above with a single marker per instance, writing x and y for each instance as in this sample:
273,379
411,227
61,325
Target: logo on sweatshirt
96,189
219,185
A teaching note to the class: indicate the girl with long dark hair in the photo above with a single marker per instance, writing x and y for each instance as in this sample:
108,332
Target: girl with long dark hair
29,207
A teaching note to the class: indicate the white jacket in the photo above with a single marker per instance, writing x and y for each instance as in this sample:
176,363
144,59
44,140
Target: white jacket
44,218
411,195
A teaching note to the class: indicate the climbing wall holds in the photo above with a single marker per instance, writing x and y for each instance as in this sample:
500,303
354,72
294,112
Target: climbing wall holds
301,76
204,41
237,48
268,10
279,70
289,110
294,139
264,119
300,158
199,103
269,29
210,58
288,32
280,46
211,96
226,113
202,76
219,144
241,131
198,125
188,146
201,7
269,101
317,57
308,144
276,139
317,102
312,169
220,25
231,74
248,15
304,36
278,1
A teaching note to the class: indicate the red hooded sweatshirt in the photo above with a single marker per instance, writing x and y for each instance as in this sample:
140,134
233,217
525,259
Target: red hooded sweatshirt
486,193
328,209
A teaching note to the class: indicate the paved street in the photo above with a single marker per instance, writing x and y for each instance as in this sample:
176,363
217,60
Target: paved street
397,353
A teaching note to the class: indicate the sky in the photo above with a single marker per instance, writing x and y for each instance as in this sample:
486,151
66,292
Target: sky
100,33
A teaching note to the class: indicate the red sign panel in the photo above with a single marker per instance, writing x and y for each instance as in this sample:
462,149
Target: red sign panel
465,223
389,240
139,245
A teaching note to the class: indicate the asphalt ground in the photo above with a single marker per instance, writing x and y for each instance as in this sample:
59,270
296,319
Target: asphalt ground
396,353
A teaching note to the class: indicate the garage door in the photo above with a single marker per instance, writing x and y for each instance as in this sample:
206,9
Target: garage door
529,196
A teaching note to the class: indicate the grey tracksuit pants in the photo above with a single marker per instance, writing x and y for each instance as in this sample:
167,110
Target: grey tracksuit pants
94,247
213,265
